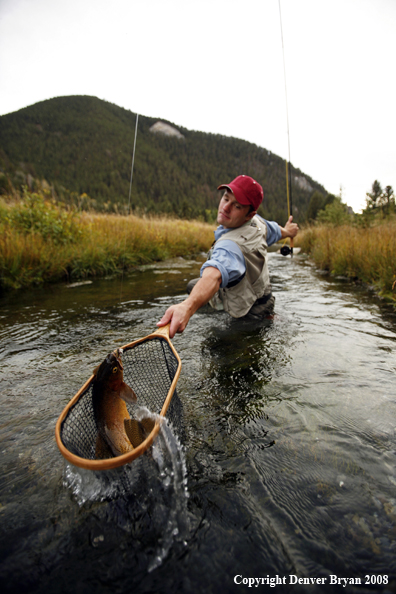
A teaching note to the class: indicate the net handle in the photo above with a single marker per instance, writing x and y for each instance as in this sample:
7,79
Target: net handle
163,331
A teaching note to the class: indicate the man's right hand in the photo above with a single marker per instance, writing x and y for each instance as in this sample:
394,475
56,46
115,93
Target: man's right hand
178,316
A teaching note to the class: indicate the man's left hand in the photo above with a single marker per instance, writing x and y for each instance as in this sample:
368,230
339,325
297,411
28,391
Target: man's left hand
290,229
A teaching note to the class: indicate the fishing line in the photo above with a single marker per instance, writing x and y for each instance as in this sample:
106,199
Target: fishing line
285,250
129,199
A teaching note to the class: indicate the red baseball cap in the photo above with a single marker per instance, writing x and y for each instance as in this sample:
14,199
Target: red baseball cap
246,190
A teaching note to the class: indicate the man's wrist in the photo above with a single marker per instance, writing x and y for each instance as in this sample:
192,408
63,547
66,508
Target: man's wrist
190,305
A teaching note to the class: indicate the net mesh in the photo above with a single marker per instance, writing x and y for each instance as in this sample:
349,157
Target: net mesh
149,369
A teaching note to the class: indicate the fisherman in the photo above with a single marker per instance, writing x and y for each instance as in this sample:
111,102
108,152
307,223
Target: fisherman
235,276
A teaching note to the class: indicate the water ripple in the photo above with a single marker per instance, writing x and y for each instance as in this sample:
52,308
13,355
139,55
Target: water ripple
290,439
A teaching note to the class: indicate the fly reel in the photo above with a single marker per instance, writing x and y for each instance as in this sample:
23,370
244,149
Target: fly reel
286,250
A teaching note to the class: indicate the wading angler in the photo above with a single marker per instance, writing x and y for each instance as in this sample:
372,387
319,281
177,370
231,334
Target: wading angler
235,276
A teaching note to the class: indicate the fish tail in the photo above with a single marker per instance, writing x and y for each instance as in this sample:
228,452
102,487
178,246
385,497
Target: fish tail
148,425
137,431
134,431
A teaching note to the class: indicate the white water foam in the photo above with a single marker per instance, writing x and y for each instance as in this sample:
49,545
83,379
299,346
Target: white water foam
157,479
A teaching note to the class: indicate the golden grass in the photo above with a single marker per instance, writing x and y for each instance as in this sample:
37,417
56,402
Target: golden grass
366,254
105,244
40,242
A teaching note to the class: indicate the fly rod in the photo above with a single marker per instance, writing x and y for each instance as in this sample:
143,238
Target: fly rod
129,199
286,250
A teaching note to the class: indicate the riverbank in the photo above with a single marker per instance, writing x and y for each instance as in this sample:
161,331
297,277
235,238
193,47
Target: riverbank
367,255
42,243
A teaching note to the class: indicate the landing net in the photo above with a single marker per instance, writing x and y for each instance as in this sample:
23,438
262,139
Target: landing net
151,368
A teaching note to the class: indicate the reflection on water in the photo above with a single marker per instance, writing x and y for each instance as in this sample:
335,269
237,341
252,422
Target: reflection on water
290,449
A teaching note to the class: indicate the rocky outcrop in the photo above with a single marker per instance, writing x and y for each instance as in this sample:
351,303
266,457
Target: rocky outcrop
166,129
303,183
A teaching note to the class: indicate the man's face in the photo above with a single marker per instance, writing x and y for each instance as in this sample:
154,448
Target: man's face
232,214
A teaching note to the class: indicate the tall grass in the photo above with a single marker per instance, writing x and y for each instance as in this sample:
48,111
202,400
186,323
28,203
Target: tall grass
365,254
40,243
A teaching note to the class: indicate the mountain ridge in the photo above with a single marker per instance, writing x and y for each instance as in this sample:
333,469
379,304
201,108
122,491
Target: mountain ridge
82,145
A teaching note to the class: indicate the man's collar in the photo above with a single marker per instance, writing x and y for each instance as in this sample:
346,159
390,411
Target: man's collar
248,223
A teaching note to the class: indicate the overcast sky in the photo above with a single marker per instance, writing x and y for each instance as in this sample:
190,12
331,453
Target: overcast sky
216,66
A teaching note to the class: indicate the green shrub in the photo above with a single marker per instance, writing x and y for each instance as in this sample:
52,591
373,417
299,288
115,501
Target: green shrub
36,213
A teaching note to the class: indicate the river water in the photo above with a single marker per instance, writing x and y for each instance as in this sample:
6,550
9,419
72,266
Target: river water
287,466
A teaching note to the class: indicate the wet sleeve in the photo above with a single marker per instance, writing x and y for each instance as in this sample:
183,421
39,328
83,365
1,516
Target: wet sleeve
228,259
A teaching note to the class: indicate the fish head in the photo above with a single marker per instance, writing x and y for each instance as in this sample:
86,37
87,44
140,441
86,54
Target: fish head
110,376
111,369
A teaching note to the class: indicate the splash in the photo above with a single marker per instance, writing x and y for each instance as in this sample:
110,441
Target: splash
152,486
168,455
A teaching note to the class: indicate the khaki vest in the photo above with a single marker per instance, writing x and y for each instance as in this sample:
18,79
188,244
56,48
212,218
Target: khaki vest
238,299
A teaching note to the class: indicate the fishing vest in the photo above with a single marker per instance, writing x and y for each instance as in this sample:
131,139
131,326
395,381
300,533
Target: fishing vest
239,297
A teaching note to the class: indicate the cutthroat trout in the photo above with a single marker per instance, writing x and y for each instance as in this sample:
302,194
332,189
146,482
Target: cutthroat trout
109,393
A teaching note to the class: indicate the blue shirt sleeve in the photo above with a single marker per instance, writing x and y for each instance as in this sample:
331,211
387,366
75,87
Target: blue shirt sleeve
228,259
274,233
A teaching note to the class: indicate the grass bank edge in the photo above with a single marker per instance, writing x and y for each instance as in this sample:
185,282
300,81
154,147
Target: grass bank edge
41,243
366,255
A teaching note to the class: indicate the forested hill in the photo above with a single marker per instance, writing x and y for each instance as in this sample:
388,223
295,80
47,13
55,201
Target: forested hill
83,145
